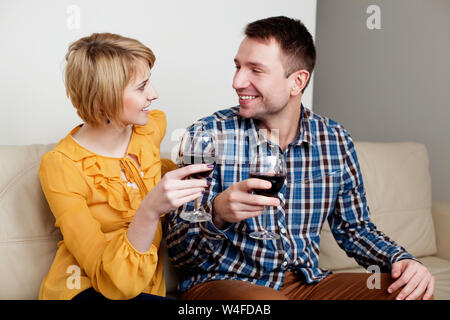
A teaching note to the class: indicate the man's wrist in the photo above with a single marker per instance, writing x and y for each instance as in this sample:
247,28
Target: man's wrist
218,222
403,256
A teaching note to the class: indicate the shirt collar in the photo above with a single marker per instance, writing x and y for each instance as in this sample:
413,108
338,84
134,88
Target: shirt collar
305,127
304,134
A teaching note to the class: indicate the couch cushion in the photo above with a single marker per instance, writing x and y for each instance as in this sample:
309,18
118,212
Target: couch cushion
27,234
398,189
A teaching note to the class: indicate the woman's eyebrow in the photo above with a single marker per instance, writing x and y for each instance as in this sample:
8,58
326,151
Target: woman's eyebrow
143,81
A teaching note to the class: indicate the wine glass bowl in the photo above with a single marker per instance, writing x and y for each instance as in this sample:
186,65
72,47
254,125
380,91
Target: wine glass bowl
270,167
197,147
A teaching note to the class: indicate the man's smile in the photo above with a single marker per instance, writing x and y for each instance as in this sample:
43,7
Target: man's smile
247,97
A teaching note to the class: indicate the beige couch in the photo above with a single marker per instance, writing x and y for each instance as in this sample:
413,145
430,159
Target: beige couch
398,187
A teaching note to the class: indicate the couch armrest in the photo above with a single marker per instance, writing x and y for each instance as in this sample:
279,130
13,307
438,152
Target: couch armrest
441,217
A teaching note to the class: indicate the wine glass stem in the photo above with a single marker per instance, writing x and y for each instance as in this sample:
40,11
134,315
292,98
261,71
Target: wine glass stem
265,219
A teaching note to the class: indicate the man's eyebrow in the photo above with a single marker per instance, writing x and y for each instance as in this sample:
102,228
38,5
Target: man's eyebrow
253,64
257,64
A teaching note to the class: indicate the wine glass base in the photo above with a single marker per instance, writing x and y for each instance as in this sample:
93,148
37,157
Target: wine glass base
264,235
195,216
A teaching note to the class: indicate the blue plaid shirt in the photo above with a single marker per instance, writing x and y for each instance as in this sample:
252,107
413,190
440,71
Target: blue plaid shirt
323,183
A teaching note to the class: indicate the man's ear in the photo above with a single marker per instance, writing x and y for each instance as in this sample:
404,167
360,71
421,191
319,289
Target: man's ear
299,80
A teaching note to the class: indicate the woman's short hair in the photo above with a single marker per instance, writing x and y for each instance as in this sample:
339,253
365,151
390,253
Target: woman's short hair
99,67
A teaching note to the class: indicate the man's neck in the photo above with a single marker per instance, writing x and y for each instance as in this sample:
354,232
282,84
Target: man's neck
283,127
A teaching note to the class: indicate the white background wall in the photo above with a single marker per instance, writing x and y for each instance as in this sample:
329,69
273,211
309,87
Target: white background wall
194,42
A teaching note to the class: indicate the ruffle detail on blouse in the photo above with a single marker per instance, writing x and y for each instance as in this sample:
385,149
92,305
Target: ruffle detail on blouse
106,171
147,152
107,176
145,147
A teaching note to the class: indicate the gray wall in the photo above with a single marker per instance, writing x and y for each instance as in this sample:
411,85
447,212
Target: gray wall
389,84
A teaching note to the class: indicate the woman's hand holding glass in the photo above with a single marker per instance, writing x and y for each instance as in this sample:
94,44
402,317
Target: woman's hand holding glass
174,190
169,194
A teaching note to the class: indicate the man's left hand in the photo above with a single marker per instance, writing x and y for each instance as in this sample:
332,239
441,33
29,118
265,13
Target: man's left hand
415,279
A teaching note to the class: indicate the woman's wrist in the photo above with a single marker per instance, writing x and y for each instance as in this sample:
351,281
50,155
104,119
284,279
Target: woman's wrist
148,212
141,230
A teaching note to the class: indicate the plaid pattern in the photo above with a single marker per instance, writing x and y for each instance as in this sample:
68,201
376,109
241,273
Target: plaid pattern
323,183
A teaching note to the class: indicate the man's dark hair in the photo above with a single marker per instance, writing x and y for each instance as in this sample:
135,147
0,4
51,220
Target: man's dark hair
294,39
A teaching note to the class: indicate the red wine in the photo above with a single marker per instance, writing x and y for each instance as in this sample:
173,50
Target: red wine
203,174
188,159
276,180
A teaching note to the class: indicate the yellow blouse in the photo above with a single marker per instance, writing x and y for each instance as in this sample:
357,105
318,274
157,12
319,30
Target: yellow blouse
93,205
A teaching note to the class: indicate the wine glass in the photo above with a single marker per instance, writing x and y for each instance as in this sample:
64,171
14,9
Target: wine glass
197,146
270,167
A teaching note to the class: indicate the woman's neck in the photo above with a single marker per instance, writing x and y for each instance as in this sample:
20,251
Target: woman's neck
108,140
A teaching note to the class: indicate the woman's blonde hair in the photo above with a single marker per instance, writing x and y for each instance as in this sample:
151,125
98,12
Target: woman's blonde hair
99,67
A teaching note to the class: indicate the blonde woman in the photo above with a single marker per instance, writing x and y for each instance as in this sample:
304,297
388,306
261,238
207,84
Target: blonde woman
103,180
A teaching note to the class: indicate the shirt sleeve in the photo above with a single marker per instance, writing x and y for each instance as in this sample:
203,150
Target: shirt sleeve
350,222
115,268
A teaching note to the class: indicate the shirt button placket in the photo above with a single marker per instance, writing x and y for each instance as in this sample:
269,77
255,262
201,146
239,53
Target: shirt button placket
283,236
